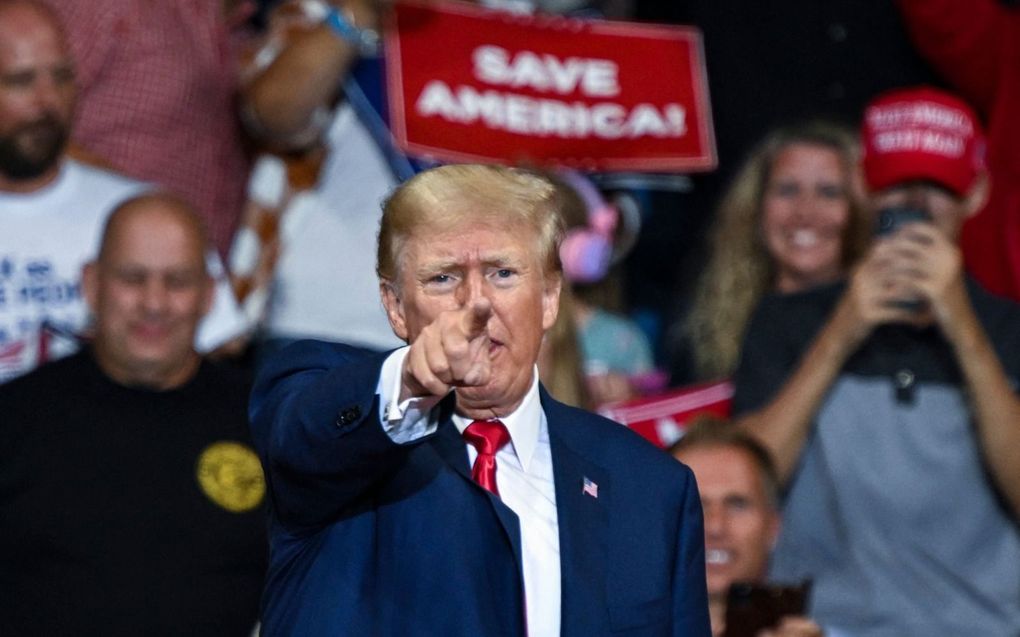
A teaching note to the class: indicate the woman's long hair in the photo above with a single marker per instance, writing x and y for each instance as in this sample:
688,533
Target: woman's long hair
740,270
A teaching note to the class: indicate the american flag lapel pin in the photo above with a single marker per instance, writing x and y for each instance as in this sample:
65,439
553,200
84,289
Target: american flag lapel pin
590,488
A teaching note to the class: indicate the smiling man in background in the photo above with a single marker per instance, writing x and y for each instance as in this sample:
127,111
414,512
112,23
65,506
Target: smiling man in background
740,498
52,206
130,501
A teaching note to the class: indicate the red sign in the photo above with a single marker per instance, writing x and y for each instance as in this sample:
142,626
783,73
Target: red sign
472,84
662,419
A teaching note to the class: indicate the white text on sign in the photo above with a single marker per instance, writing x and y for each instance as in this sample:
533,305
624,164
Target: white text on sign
545,117
545,72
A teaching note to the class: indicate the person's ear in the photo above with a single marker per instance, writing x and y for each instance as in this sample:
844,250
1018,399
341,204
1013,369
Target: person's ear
551,301
394,308
977,196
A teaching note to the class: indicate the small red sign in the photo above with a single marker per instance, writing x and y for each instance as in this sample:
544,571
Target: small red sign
473,84
662,419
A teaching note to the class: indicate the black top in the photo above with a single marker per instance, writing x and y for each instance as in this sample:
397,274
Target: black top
127,511
784,325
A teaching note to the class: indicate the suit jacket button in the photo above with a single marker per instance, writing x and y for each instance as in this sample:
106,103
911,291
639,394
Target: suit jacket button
348,416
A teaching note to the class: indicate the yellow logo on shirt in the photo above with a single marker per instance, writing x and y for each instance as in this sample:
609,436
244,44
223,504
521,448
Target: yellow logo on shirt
231,476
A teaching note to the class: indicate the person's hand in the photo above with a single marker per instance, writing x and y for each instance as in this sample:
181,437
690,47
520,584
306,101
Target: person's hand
926,265
452,351
794,626
366,14
871,297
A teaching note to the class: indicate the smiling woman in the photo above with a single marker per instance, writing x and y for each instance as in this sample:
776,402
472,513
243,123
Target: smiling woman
804,216
791,219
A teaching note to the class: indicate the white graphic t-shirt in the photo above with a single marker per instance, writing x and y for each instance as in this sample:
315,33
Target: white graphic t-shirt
47,236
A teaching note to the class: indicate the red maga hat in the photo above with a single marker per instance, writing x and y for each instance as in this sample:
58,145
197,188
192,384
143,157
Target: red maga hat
922,134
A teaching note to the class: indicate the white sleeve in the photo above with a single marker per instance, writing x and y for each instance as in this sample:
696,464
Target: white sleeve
225,320
408,420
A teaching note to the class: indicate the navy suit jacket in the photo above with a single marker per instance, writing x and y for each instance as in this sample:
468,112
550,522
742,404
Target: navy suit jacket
370,537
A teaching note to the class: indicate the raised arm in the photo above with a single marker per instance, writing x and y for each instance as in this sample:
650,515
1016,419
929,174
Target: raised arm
963,39
934,267
784,422
280,100
318,423
315,422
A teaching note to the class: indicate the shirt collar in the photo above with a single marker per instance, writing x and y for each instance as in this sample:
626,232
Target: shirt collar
524,424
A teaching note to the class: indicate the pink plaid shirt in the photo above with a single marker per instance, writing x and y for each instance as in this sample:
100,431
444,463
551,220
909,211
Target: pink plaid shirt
158,83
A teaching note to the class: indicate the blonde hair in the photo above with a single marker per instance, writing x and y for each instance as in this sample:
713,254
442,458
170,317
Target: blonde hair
740,270
448,196
559,362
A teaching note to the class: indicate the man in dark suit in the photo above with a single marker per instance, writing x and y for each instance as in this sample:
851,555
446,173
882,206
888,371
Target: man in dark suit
438,489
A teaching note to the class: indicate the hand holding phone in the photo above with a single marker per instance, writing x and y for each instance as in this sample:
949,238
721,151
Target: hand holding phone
751,608
890,220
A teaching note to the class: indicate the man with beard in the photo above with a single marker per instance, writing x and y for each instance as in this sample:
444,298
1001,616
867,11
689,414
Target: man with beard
52,207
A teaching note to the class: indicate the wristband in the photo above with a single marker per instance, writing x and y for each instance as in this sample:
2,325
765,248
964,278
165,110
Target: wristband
366,41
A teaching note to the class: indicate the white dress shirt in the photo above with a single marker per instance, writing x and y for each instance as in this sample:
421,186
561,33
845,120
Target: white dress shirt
524,476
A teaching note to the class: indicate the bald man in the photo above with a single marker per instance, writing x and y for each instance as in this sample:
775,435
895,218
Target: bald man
52,208
148,290
130,500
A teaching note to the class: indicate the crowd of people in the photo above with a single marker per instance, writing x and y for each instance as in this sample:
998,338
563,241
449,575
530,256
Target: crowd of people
262,371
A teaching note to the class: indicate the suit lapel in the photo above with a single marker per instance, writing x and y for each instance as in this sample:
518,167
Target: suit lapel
583,519
449,445
582,515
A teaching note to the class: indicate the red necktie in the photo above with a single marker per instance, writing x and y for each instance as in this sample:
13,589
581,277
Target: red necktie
488,437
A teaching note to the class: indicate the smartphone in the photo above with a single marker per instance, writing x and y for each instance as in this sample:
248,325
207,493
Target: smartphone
751,608
890,219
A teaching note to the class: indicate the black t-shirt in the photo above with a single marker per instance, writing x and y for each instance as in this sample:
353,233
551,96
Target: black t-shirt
127,511
783,326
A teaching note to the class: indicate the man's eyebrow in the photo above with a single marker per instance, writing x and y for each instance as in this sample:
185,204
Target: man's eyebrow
434,267
502,259
499,259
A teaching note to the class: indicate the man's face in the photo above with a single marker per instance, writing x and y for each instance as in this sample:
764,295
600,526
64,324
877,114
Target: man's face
148,293
446,270
948,212
37,94
740,523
